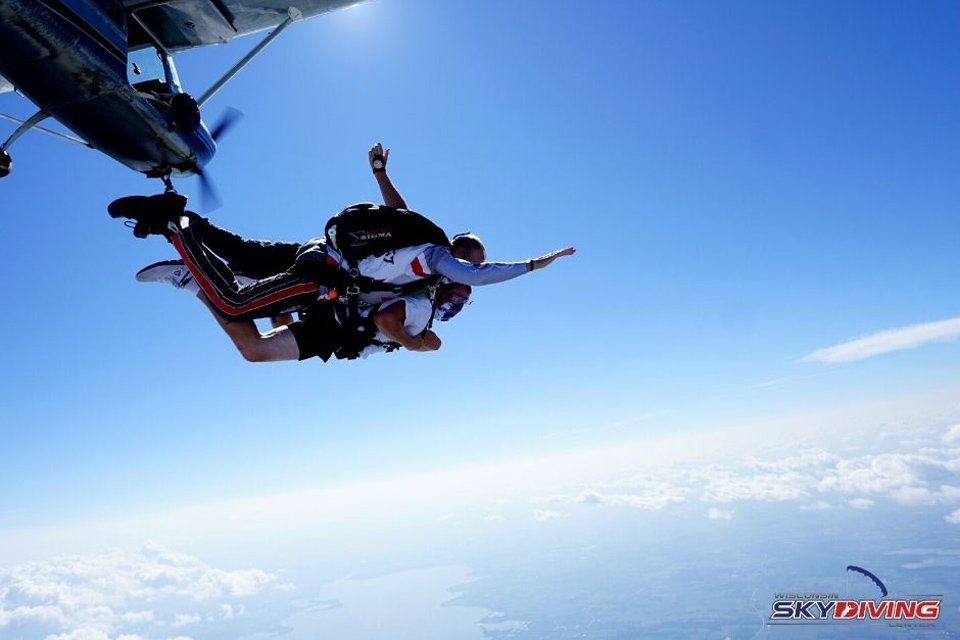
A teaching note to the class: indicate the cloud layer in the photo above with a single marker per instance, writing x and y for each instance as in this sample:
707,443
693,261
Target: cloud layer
887,342
924,474
861,458
154,593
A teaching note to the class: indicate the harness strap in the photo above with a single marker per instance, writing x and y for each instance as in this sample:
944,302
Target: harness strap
354,325
357,331
432,294
366,284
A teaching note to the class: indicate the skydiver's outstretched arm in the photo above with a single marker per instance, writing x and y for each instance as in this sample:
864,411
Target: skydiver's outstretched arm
391,197
390,321
477,275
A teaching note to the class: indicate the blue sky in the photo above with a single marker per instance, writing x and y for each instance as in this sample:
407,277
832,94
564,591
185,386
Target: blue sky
745,183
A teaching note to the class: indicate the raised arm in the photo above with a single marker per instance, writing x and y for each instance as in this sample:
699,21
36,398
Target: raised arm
378,162
477,275
390,321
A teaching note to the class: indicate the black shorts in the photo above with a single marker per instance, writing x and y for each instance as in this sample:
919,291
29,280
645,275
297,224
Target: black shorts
318,332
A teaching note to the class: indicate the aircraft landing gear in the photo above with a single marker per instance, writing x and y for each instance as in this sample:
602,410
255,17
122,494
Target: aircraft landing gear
6,163
141,229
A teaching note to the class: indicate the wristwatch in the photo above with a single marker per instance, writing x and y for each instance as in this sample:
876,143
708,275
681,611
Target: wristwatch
378,164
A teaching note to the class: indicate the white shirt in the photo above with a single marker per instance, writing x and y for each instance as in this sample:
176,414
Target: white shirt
409,264
399,266
418,310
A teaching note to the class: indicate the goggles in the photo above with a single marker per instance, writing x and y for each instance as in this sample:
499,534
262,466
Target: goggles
453,305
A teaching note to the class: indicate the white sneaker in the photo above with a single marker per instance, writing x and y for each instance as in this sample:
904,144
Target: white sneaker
172,272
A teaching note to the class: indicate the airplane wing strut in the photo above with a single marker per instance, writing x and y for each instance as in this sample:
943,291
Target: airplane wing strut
293,14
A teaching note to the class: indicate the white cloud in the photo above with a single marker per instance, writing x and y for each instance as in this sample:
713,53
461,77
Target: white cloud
906,478
496,517
868,474
952,436
82,634
776,480
953,517
924,496
118,594
542,516
887,341
816,477
185,619
819,505
728,486
719,514
920,478
807,460
651,495
653,499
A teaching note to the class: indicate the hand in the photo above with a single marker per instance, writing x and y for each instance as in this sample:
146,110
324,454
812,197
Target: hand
431,341
543,261
377,152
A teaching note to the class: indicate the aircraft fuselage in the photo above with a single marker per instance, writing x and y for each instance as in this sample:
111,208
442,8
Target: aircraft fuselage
70,58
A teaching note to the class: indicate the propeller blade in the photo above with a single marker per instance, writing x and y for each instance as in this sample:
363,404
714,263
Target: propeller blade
229,118
209,195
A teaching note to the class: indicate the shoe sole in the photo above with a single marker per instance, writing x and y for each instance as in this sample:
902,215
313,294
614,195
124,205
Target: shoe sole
132,207
144,208
162,263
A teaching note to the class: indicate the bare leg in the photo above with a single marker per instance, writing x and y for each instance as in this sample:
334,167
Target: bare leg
276,345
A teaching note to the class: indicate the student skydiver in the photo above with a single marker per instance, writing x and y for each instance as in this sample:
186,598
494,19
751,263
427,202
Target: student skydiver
321,331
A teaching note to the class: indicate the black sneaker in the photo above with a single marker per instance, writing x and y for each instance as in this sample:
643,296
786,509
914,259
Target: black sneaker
152,214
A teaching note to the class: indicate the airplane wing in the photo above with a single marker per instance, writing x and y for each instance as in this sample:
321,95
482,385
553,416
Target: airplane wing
184,24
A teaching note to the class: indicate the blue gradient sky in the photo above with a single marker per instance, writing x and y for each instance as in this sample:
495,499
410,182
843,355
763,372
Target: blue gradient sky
745,183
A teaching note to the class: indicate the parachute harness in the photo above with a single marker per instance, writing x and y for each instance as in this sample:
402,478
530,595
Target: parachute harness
364,223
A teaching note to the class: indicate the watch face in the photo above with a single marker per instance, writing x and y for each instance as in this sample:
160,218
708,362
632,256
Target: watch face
378,164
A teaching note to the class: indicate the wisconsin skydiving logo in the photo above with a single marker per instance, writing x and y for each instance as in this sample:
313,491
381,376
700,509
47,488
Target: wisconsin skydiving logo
830,608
